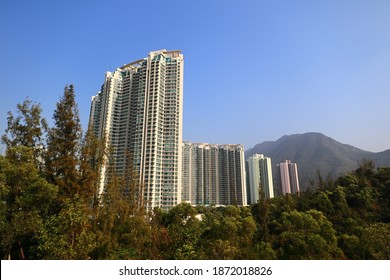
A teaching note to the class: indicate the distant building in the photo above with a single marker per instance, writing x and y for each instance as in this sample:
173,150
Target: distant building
288,177
259,172
138,113
213,174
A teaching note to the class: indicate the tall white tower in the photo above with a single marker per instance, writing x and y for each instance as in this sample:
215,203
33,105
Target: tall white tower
138,113
260,172
288,177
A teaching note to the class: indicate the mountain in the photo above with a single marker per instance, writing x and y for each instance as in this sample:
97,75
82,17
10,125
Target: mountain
315,151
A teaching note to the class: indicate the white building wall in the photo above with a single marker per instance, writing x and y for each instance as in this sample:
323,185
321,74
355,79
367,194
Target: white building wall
218,174
288,177
260,171
140,117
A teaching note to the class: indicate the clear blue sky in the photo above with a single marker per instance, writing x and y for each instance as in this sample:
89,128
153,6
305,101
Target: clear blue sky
254,70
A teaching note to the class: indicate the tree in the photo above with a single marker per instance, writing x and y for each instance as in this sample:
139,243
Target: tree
27,129
64,146
112,210
376,240
359,192
228,233
27,198
91,160
121,225
68,235
260,212
352,247
308,235
382,184
184,230
161,240
264,251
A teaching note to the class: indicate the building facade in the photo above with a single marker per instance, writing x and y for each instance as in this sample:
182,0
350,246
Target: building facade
288,180
138,114
213,174
259,172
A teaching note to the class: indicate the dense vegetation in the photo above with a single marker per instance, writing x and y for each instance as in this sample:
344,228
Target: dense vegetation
49,208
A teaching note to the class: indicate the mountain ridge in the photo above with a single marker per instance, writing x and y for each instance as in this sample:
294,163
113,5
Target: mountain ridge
315,152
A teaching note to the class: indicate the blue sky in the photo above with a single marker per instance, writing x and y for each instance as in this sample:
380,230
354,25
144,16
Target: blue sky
254,70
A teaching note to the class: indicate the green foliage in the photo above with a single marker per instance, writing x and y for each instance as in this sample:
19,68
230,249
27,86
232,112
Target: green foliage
376,238
68,235
229,233
260,212
25,198
63,146
27,129
382,183
308,235
184,229
91,159
352,246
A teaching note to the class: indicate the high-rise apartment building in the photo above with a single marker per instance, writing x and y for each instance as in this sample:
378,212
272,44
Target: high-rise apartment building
259,172
288,177
138,113
213,174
